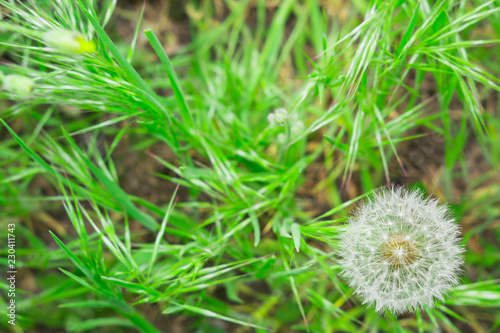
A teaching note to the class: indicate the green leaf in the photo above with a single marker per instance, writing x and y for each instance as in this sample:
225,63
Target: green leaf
208,313
160,234
174,80
119,195
409,30
295,230
98,323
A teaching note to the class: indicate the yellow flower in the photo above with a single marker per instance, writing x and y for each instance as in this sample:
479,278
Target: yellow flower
68,41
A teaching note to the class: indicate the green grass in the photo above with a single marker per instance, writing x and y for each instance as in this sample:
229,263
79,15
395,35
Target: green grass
246,241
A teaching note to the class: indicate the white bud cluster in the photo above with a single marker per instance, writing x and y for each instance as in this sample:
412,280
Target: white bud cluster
401,251
278,117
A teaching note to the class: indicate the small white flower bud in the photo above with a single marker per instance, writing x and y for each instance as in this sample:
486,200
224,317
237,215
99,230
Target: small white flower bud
18,84
270,119
281,138
68,41
278,118
417,254
297,127
280,115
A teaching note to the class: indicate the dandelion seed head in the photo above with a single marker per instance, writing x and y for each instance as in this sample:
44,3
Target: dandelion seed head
401,251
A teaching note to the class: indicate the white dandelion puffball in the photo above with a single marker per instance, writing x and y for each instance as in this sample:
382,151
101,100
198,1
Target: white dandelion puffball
401,251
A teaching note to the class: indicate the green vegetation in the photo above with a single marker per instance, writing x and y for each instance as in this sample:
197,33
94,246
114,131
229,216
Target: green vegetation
155,186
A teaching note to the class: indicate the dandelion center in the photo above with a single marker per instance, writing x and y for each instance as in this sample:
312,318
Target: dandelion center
399,251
